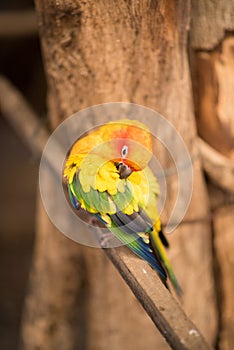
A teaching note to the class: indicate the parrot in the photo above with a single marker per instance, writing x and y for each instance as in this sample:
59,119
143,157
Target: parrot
107,174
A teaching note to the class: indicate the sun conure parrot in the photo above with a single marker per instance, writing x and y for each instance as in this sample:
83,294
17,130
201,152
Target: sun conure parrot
107,175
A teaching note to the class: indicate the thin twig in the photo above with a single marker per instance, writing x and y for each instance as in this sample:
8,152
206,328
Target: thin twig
18,24
21,116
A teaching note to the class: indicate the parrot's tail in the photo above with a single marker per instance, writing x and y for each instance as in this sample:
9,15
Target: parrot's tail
158,247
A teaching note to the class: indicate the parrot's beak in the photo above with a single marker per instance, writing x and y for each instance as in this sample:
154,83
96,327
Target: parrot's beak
124,170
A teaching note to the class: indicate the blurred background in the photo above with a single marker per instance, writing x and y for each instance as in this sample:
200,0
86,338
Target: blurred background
21,63
212,72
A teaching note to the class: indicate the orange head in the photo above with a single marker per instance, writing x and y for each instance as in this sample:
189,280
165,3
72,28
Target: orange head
130,142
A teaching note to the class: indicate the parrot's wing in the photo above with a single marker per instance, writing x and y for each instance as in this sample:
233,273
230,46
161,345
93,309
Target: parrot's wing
138,245
135,230
127,228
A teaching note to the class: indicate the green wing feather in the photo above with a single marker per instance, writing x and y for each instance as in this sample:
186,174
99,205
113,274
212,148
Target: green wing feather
127,228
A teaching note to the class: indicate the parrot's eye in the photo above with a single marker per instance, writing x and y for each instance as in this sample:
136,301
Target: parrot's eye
124,151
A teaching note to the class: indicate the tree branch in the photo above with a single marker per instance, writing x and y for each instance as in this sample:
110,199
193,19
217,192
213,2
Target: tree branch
219,168
157,301
22,118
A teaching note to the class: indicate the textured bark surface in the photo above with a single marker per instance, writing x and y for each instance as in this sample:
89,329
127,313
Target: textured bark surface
210,21
106,51
213,86
212,43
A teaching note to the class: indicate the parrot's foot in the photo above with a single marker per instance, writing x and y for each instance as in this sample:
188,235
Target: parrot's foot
94,221
105,240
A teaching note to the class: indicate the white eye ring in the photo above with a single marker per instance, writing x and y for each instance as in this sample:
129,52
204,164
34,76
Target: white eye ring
124,151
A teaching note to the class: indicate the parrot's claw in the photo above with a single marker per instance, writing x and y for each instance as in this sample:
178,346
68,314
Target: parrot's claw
94,221
106,239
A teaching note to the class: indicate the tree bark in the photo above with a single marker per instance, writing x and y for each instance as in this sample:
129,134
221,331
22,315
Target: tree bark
212,63
212,45
107,51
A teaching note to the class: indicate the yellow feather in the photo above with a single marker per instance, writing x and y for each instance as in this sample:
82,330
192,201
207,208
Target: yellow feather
89,156
129,209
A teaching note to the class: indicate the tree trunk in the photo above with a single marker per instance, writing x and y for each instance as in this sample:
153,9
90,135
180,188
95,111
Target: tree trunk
213,72
212,63
107,51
